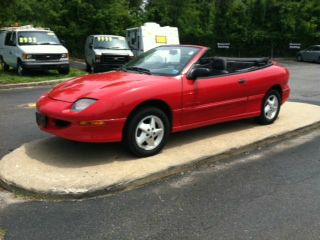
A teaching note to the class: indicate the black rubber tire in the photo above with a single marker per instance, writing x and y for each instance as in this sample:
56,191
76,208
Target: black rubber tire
20,70
93,69
129,132
262,119
5,67
88,67
299,58
64,71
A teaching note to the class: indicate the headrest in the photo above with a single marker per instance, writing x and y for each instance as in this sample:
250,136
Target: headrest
219,64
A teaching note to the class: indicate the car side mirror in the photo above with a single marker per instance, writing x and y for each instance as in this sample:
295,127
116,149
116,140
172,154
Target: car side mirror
63,42
91,45
198,72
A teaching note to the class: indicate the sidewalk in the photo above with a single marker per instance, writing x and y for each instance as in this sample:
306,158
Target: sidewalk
59,168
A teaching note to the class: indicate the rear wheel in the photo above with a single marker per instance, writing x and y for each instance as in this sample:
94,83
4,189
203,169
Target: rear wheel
4,66
270,107
147,132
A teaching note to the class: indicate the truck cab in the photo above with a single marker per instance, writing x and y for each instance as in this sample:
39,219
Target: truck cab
106,52
26,48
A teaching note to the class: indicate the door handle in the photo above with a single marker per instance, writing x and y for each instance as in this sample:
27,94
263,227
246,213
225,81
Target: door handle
242,81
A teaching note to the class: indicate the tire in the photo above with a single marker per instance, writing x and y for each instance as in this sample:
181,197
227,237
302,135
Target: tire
5,67
20,70
88,67
64,71
299,58
93,69
151,127
270,107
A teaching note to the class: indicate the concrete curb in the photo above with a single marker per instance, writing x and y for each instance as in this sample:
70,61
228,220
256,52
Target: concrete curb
33,84
173,171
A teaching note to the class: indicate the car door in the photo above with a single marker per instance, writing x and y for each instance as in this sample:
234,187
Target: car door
307,55
316,54
213,99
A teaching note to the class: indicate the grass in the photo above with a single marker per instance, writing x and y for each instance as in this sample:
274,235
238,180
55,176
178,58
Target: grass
36,76
2,233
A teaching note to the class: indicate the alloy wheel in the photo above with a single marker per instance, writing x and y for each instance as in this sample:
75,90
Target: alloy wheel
149,132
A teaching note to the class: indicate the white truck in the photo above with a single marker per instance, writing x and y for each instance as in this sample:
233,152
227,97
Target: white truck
106,52
151,35
25,48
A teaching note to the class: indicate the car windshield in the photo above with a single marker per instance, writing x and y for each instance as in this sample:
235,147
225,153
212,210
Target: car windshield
38,38
163,61
110,42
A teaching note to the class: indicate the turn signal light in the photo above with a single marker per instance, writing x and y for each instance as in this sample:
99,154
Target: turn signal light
92,123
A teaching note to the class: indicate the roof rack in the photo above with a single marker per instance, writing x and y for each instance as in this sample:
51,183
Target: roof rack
26,27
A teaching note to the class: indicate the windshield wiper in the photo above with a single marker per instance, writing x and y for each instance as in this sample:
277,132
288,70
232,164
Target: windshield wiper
138,69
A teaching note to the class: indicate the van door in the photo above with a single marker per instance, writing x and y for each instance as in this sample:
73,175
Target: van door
9,49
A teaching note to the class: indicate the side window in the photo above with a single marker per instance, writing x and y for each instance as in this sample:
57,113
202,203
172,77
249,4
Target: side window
8,39
14,39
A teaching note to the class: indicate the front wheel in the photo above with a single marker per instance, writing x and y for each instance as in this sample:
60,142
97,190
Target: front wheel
20,70
64,71
299,58
270,107
147,132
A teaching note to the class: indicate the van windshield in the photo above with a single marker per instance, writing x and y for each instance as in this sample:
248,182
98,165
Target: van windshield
108,42
37,38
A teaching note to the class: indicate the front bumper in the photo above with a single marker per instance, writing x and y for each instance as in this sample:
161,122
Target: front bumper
46,65
54,117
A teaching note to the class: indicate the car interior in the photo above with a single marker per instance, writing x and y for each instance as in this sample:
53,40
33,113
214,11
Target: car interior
222,65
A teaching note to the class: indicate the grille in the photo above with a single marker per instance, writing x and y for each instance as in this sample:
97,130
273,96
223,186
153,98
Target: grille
114,59
46,57
61,123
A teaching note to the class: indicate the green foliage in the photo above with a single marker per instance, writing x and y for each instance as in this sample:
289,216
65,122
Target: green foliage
253,27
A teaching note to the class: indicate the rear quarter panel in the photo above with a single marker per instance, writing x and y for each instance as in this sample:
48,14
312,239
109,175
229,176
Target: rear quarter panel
263,80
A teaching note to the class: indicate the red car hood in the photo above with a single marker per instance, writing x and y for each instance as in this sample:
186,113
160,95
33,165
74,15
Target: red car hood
86,86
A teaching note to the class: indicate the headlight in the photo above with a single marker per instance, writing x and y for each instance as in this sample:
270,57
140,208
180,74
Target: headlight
64,55
27,56
82,104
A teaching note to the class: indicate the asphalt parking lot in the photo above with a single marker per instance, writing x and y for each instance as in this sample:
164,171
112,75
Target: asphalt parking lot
271,193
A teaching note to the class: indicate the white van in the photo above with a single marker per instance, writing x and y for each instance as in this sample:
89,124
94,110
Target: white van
106,52
151,35
26,47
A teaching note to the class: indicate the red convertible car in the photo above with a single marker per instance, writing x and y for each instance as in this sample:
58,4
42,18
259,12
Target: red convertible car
167,89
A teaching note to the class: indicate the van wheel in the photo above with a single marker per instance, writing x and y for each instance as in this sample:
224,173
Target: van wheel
64,71
88,68
92,69
5,67
270,108
20,70
147,132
